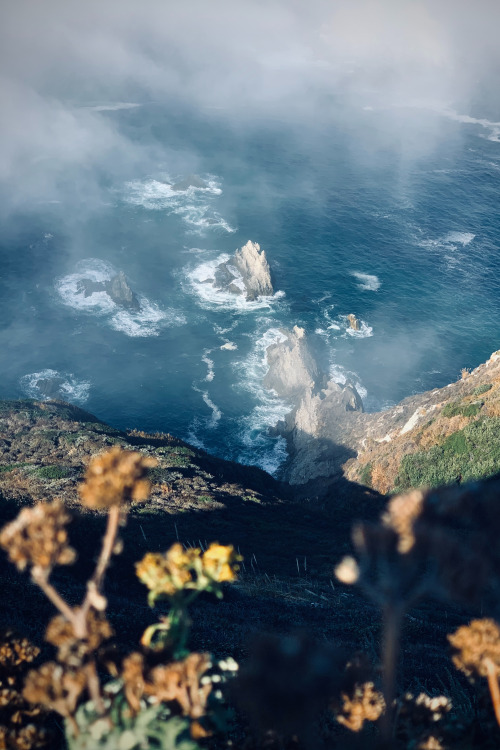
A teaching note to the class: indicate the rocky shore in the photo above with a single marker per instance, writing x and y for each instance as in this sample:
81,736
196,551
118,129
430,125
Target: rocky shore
330,437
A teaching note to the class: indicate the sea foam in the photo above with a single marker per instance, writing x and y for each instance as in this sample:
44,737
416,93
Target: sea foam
201,281
67,386
192,204
147,321
367,282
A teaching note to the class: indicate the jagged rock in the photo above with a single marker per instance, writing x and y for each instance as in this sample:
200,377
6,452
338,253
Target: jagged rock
50,387
120,292
246,272
354,322
117,288
292,367
191,181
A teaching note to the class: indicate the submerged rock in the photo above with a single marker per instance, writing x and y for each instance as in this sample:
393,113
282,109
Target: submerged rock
191,181
246,272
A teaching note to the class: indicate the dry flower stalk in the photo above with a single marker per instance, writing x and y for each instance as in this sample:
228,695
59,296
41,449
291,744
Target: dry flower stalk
38,538
366,704
116,478
179,681
478,647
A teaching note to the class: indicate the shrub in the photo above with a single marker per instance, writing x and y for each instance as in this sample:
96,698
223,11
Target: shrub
53,472
482,389
457,409
471,453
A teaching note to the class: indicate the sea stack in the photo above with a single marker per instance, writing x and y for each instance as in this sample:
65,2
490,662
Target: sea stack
246,272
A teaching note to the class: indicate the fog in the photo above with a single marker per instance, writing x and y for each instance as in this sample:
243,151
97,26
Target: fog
242,61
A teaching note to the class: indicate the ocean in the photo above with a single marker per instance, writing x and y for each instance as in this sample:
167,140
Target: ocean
387,212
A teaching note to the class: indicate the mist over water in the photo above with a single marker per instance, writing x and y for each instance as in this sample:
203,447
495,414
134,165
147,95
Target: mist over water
368,198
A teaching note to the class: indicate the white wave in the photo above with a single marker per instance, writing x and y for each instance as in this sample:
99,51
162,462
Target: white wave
201,282
342,376
229,346
449,241
64,384
260,448
92,269
147,321
492,127
190,203
459,238
367,281
210,365
364,329
364,332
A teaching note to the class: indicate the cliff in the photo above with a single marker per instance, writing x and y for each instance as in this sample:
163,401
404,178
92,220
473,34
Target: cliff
445,436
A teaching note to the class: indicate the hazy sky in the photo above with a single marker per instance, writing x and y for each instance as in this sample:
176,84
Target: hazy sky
248,59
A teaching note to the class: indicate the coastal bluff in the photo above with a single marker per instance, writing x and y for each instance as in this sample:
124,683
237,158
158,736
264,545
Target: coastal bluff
443,436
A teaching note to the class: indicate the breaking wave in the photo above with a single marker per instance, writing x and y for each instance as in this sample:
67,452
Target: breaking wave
51,384
201,281
367,282
147,321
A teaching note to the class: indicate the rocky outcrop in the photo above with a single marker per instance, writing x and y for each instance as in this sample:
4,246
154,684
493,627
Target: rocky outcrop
321,409
354,322
246,272
292,368
117,288
330,437
120,292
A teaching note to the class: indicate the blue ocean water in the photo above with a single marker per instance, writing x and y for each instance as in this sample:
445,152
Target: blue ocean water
390,214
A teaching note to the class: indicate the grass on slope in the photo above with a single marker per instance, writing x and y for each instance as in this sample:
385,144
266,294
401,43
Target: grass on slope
471,453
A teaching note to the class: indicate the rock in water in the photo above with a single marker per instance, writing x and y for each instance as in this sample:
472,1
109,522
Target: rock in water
292,368
354,322
120,292
191,181
247,272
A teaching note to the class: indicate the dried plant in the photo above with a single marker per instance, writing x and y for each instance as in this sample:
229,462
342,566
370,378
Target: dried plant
364,704
21,724
116,478
478,653
38,538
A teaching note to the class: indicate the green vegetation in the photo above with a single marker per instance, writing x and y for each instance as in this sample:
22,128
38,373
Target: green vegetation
10,467
53,472
456,409
482,389
365,476
467,454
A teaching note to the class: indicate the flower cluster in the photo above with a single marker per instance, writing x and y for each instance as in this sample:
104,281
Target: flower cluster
365,704
74,650
478,647
20,723
38,537
181,570
55,687
116,478
179,681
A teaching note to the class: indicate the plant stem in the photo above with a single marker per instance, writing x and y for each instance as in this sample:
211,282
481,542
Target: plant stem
94,687
392,617
40,578
494,688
